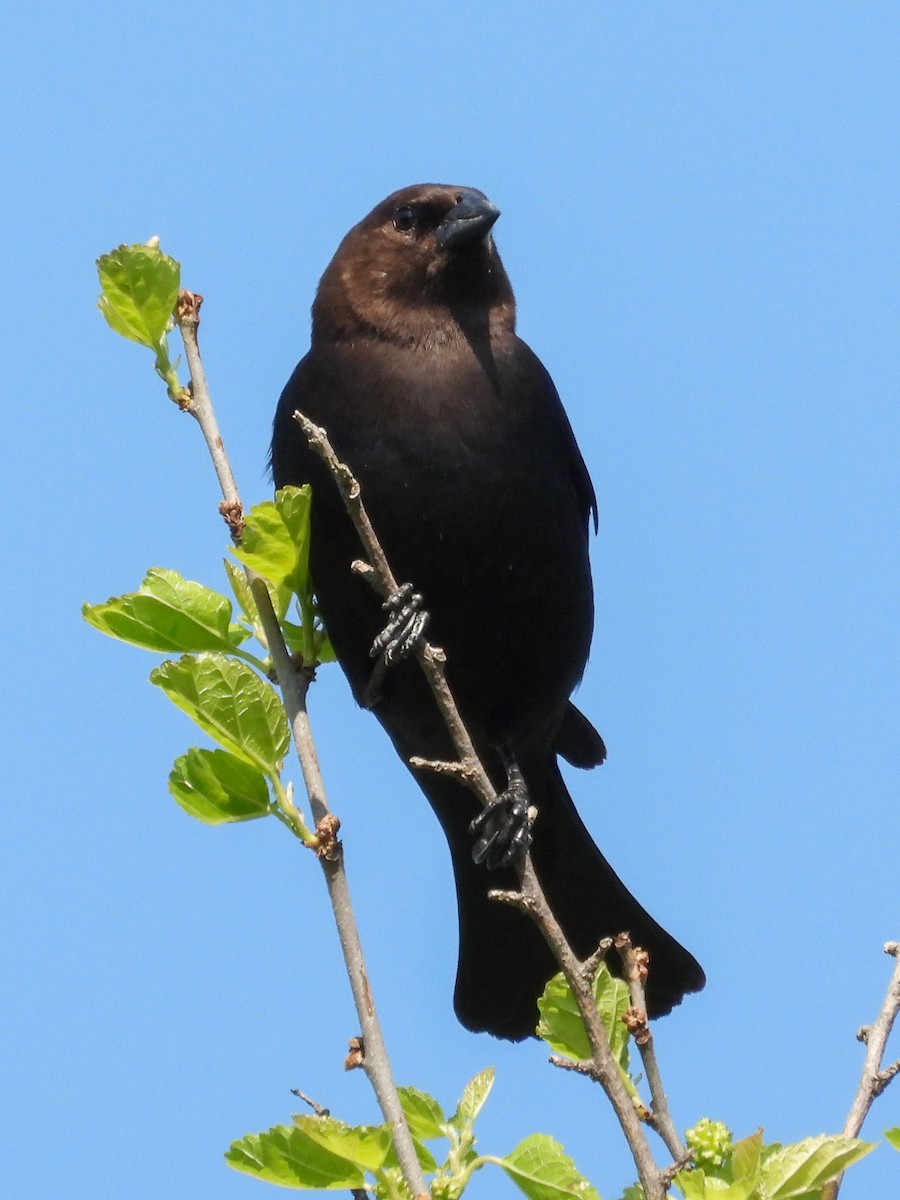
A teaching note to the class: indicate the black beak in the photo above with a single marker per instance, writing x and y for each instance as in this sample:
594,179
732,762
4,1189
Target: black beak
469,220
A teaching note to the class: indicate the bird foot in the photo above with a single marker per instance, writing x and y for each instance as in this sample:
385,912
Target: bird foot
503,828
406,626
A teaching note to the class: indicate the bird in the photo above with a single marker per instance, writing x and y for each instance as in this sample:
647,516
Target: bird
476,488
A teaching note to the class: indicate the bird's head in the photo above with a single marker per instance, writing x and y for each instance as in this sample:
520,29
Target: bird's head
419,266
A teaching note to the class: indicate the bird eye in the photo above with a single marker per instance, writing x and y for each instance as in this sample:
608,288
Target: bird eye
405,219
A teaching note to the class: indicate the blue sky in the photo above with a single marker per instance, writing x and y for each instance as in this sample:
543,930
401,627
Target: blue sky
700,221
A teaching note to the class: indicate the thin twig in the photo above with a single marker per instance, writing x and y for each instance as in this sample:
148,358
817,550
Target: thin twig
580,1066
294,686
875,1036
187,316
532,899
381,577
874,1079
679,1164
636,962
319,1109
591,965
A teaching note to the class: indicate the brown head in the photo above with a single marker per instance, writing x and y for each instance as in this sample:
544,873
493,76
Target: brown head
420,270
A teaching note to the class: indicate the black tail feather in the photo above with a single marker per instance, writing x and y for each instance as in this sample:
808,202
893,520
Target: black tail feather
504,963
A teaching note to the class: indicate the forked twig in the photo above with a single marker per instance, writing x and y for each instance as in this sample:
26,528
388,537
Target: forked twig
531,898
874,1078
636,963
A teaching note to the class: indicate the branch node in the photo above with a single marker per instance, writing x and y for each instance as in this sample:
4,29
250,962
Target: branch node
591,965
187,308
359,566
513,898
581,1066
635,1021
443,767
883,1078
184,398
684,1159
232,512
356,1055
635,959
326,844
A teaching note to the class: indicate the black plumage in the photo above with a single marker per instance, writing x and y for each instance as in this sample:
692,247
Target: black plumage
477,490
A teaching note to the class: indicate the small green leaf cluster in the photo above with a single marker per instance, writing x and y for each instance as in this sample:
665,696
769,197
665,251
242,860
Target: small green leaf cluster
322,1153
221,684
751,1170
721,1169
139,288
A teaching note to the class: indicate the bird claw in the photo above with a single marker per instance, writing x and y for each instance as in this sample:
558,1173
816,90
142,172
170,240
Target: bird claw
503,828
406,626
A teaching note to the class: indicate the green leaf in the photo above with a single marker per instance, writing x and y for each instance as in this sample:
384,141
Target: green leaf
691,1184
424,1115
286,1155
275,546
230,702
746,1157
139,286
700,1185
427,1161
472,1100
325,653
562,1028
167,613
366,1146
294,505
240,585
276,540
543,1171
215,787
893,1137
807,1165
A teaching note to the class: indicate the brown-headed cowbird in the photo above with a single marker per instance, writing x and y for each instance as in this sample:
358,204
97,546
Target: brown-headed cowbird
476,488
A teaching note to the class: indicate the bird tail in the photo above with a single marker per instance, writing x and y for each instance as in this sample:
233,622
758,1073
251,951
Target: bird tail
504,962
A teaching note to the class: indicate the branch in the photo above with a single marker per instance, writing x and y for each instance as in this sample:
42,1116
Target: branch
531,899
294,685
187,317
875,1036
379,574
637,963
874,1079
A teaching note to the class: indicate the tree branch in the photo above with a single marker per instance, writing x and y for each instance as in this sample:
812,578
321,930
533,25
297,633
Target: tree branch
471,770
873,1080
637,964
294,685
